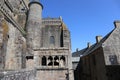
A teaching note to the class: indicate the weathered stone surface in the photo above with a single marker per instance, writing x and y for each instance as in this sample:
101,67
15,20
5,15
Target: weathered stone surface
101,60
46,45
18,75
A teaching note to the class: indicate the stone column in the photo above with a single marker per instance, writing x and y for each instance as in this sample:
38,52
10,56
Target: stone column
40,59
53,61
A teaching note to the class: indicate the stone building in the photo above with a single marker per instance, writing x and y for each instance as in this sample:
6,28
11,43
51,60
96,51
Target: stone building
28,41
101,61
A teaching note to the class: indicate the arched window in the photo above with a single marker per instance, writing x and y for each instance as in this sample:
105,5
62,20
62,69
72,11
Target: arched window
62,61
56,61
44,61
50,61
52,40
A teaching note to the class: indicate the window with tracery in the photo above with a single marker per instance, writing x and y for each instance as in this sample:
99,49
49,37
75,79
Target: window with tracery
62,61
56,61
50,61
53,61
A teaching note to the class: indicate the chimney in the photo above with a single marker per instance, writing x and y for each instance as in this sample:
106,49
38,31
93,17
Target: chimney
117,24
77,50
88,44
98,38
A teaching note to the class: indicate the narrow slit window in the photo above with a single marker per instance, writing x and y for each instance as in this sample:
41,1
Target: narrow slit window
44,61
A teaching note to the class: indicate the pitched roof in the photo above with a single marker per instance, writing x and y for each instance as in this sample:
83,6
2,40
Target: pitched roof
78,53
93,47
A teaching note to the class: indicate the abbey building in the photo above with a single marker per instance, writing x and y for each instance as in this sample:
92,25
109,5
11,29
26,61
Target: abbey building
28,41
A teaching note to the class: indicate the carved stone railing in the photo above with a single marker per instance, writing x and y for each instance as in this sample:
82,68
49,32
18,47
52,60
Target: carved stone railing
18,75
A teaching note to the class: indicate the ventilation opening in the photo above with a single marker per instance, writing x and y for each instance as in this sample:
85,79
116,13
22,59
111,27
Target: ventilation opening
29,57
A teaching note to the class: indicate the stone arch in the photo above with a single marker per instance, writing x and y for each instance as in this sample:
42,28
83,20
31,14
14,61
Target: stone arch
44,61
50,61
62,61
56,61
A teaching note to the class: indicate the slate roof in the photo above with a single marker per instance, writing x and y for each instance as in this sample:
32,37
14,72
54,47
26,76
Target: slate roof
93,47
78,53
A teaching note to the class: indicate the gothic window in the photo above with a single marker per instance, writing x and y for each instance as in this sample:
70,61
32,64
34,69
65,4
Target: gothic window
50,61
44,61
56,61
52,40
62,61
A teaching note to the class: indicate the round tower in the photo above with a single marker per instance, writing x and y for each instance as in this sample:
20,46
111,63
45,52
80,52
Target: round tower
34,25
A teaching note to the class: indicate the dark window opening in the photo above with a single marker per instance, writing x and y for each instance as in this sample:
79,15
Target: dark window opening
29,57
62,61
50,61
8,36
61,39
52,40
62,58
56,61
44,61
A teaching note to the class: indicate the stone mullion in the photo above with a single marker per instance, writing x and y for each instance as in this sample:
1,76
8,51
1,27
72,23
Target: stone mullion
36,62
66,61
59,61
53,61
47,60
40,59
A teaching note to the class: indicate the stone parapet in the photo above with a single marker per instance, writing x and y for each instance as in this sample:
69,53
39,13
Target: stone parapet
18,75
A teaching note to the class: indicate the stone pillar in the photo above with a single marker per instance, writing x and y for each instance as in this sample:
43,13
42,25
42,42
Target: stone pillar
40,59
66,61
53,61
47,61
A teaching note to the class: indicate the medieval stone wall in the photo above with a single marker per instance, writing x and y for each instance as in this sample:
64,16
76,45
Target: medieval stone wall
14,44
112,48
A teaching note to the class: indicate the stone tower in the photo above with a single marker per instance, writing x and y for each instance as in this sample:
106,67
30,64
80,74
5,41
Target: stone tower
34,25
54,56
33,29
48,45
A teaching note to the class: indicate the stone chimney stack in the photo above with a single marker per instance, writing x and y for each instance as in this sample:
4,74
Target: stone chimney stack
117,24
34,25
98,38
77,50
88,44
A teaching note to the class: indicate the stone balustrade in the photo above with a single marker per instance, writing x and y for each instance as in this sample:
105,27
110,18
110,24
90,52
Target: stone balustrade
18,75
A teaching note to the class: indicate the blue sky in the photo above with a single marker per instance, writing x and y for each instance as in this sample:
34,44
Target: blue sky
84,18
